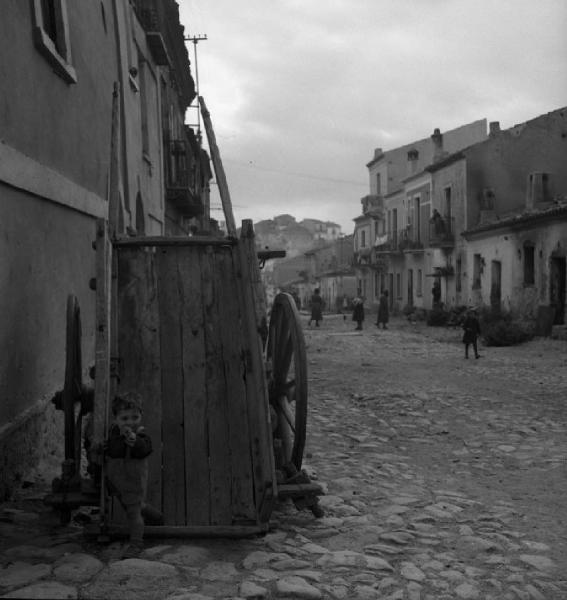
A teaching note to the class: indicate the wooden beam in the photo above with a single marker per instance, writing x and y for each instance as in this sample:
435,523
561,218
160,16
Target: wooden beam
219,170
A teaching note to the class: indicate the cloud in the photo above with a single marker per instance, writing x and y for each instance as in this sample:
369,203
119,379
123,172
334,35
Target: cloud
302,91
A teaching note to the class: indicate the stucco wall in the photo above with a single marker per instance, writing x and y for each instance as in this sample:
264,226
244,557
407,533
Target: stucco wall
63,126
45,254
504,162
508,248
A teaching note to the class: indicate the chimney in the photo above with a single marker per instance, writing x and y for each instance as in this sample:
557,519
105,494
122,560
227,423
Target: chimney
494,128
437,139
377,153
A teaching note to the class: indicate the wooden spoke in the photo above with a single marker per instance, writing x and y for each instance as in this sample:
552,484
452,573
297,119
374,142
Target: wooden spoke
288,378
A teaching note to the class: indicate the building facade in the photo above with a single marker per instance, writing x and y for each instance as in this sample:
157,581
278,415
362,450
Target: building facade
394,246
516,219
63,61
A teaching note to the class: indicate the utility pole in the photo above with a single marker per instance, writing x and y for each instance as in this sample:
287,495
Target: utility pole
196,39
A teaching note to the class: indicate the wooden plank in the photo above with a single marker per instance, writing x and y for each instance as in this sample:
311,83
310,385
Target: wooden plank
194,390
219,170
139,349
114,179
217,392
175,241
230,311
258,291
172,385
195,532
103,262
261,444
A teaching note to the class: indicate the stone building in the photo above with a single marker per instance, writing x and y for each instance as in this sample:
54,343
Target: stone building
391,237
63,60
514,250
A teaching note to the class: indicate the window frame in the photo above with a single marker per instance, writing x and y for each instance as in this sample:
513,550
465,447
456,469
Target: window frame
57,54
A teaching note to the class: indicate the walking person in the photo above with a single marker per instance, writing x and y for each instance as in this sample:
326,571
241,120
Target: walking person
471,327
358,312
383,310
316,307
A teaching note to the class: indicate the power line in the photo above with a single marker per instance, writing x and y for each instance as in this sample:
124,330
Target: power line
251,165
196,39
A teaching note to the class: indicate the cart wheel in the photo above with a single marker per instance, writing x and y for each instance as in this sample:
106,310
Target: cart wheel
72,390
287,382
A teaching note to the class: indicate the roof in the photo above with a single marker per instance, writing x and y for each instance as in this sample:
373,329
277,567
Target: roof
525,218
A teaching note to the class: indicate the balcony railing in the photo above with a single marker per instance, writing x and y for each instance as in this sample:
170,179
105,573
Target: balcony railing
180,179
408,239
442,231
149,18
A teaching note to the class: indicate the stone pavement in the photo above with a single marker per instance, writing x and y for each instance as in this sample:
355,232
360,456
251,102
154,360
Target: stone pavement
445,480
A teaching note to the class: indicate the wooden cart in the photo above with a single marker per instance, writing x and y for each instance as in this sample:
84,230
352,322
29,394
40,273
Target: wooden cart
183,322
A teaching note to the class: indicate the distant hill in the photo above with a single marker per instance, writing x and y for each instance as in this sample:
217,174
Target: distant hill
283,232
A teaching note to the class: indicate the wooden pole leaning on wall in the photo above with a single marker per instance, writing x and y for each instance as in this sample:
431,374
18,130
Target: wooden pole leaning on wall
105,335
219,170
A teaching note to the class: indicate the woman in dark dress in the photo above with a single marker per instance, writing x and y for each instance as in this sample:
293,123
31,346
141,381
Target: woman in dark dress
358,312
316,307
383,310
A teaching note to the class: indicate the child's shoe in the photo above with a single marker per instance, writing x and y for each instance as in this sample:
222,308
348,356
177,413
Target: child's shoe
133,550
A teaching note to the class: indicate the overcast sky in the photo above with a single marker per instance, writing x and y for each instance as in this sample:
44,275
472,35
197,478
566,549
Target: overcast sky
301,91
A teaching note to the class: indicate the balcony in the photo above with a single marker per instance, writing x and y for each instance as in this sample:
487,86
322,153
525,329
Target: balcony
409,241
150,20
179,179
442,232
387,243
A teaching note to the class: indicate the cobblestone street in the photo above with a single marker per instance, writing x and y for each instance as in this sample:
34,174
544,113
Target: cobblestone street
445,479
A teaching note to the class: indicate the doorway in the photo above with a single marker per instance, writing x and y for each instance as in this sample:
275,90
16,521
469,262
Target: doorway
410,288
557,288
496,285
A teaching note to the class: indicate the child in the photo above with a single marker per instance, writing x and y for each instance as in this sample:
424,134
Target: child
472,331
127,449
358,312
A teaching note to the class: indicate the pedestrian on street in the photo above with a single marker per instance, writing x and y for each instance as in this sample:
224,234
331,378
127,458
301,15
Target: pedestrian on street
471,327
358,312
383,310
436,293
126,450
316,307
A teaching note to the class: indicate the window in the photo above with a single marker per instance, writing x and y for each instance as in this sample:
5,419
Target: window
399,285
376,223
363,239
51,36
417,219
378,184
419,283
477,269
529,264
458,285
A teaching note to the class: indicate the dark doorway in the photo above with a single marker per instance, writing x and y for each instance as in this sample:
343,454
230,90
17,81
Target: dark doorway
557,288
410,287
496,285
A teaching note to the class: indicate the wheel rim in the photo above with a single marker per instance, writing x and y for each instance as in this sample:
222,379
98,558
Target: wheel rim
286,356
